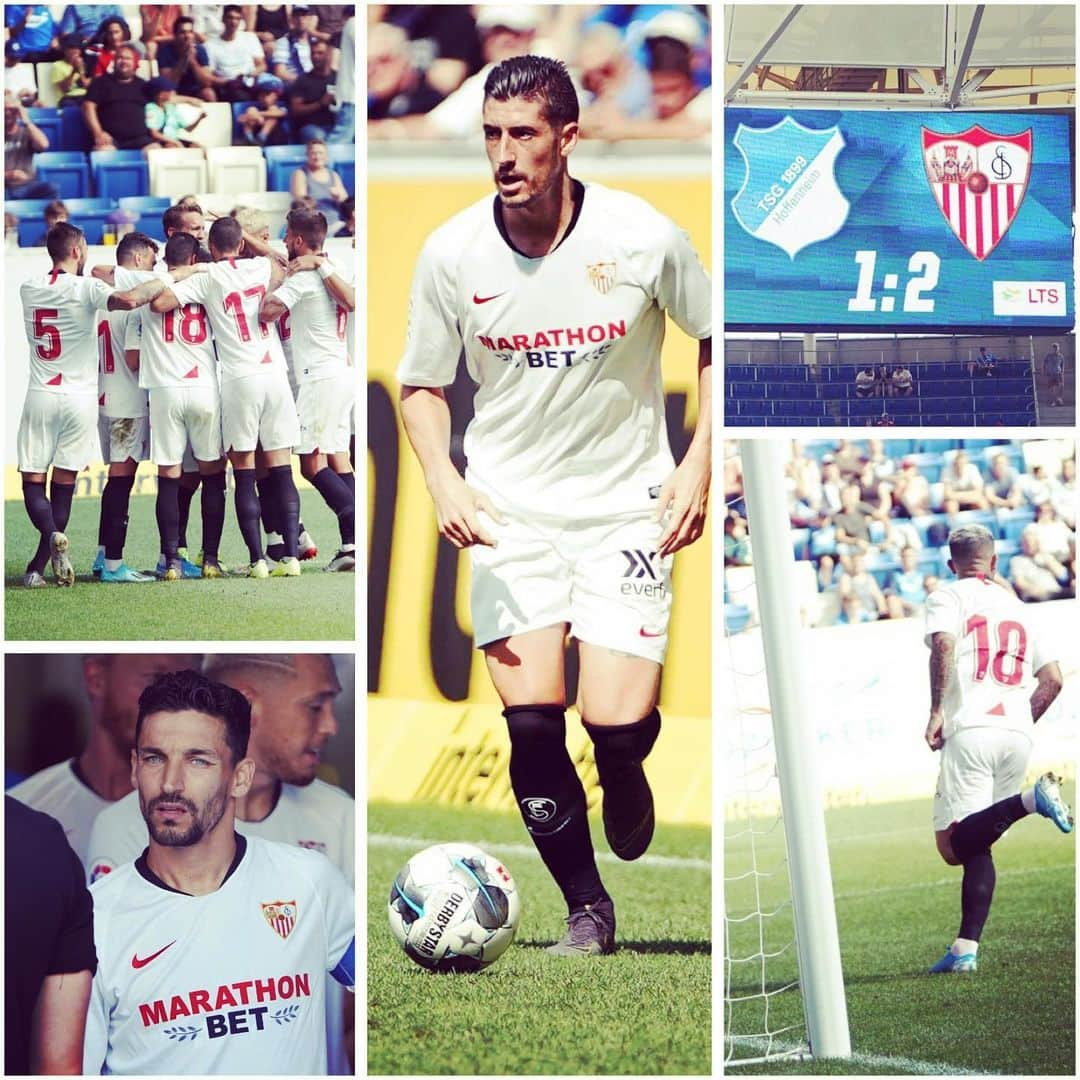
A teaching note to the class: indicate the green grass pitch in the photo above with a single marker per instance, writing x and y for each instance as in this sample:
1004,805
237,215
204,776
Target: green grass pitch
898,908
645,1010
315,606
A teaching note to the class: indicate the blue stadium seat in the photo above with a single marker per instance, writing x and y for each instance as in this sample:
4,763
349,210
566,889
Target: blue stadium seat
74,134
755,408
1013,522
119,172
67,169
744,372
90,215
746,390
905,407
149,208
49,122
343,162
863,408
281,162
31,223
744,421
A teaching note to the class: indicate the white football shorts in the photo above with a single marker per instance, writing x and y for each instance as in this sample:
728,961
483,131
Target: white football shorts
604,578
979,767
325,410
59,430
183,415
124,437
259,410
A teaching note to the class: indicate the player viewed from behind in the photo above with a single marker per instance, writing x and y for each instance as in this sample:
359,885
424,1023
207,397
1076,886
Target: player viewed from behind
318,312
58,427
256,405
991,678
209,935
571,505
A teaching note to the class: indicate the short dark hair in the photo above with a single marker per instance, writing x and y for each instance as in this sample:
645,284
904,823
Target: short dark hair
182,19
132,244
179,691
54,209
535,78
179,248
71,41
108,21
171,218
668,54
226,234
61,238
310,224
232,7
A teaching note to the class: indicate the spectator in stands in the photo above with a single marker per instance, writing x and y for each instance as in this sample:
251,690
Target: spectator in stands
858,583
236,58
964,483
901,382
1054,370
866,383
1002,490
907,593
113,35
396,86
54,212
618,88
852,524
344,129
310,97
828,574
318,181
348,219
331,22
292,53
1063,493
171,117
115,104
984,363
1055,536
22,140
736,540
69,76
911,490
1036,486
158,26
84,20
32,33
267,22
1034,574
444,40
185,62
263,124
831,484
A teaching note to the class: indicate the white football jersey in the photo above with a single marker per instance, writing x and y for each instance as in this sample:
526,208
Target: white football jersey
176,348
997,654
232,292
565,349
318,324
231,982
57,791
60,313
118,386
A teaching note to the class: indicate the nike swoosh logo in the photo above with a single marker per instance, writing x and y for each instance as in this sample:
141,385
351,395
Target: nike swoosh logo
137,963
484,299
645,633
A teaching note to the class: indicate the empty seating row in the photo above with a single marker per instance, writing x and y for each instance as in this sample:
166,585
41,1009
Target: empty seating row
845,373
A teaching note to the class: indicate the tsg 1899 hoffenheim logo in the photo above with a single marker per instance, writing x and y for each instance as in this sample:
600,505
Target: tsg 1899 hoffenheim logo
789,196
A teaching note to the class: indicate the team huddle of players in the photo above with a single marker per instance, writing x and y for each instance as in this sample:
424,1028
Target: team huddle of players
189,359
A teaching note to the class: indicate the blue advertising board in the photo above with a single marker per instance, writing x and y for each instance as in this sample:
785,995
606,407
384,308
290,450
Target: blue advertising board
892,221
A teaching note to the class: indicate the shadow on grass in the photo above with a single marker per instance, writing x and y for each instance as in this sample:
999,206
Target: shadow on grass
667,948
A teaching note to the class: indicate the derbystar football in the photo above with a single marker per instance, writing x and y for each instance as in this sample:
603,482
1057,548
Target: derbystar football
454,908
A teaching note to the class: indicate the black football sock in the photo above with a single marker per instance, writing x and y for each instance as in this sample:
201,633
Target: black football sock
552,800
114,514
167,510
268,506
247,512
288,501
60,496
189,484
350,479
620,747
213,515
976,893
339,498
978,831
39,510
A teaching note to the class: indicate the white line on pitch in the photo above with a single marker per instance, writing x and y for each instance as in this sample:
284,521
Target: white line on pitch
941,882
877,1061
675,861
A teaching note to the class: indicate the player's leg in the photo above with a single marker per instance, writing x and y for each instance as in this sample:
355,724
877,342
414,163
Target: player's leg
279,432
190,479
128,444
268,508
167,512
38,438
200,422
241,402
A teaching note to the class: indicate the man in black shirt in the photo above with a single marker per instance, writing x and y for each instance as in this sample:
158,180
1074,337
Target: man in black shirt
49,957
115,106
310,96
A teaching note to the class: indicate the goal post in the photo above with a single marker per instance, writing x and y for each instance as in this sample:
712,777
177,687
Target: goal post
817,940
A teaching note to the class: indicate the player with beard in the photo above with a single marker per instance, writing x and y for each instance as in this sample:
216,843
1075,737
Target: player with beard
254,923
77,790
292,719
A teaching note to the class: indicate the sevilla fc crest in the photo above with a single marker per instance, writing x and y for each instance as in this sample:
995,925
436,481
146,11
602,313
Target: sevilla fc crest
979,180
280,916
601,276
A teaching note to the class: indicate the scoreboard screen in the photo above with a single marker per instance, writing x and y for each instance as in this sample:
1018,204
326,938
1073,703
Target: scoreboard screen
857,220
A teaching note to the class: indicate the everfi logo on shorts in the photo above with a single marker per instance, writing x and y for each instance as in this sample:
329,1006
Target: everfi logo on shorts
645,580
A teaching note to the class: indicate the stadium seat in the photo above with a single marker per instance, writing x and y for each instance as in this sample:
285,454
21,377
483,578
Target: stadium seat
119,172
177,172
236,168
743,372
49,122
75,135
47,95
281,162
90,215
149,208
67,169
747,390
343,162
31,222
217,127
754,408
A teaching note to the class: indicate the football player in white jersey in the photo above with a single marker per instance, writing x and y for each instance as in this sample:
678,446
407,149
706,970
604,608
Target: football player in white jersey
318,318
75,791
123,423
212,946
292,719
991,678
256,404
571,504
58,426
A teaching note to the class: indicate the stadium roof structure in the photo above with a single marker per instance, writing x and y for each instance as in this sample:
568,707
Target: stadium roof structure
892,56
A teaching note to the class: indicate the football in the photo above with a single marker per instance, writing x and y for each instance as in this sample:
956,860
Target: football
454,908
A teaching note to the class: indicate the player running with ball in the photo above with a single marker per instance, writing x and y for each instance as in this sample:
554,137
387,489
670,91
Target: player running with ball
985,659
557,292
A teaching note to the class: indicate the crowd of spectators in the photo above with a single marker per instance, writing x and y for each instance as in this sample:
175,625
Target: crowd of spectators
875,525
642,71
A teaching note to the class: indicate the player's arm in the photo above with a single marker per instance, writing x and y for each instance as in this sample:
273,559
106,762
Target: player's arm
426,416
164,301
58,1024
262,247
685,494
338,288
104,273
272,308
1049,686
137,297
942,660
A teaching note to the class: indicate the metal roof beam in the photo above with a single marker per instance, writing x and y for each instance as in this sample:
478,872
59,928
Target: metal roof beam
757,56
953,76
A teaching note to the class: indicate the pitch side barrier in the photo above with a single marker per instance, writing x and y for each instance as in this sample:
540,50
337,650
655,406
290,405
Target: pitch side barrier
459,755
419,631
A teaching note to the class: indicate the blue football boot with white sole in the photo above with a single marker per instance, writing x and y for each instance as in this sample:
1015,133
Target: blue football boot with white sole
952,964
1050,804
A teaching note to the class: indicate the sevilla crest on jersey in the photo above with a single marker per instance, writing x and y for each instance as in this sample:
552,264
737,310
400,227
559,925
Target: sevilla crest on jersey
281,916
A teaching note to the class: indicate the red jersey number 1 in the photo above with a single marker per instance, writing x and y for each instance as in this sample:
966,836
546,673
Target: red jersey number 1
1007,664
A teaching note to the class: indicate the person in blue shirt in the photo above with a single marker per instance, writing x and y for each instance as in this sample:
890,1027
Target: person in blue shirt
32,33
907,588
985,362
85,19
